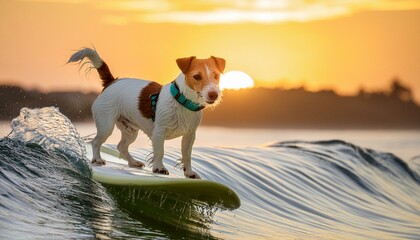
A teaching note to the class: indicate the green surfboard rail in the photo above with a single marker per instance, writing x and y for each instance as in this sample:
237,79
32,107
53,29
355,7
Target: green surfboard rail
121,179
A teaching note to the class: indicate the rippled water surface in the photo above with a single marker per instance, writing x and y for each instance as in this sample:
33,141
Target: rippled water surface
329,189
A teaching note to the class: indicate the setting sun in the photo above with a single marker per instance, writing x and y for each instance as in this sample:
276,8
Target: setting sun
236,80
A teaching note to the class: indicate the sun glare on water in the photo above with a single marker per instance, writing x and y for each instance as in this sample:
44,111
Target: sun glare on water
236,80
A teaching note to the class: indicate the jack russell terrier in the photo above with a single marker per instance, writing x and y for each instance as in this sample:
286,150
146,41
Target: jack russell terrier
161,112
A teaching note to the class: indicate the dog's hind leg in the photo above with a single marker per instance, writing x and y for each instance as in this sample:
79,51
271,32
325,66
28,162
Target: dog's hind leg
128,136
104,128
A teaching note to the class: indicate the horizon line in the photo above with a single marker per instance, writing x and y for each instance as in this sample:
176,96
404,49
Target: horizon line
272,87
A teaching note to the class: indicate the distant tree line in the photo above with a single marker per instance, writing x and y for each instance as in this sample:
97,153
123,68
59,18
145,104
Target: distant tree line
258,107
397,90
297,108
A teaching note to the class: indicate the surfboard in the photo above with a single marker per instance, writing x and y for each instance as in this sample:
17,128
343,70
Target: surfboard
119,177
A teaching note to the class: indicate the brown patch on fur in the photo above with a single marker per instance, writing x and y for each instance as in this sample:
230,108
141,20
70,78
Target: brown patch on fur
220,62
192,66
106,75
184,63
145,105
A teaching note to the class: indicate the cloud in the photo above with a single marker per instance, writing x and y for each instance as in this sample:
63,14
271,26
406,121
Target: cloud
257,11
233,16
218,11
237,11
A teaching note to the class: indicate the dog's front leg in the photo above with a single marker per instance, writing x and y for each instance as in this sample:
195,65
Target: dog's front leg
158,140
186,149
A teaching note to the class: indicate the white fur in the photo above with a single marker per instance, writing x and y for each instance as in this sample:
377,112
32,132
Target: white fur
174,120
211,87
118,105
87,53
208,72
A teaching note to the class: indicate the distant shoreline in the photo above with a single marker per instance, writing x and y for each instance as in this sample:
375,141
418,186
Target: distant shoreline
258,108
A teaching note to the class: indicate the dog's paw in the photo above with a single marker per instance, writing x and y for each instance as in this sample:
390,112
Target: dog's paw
136,164
191,174
161,171
98,162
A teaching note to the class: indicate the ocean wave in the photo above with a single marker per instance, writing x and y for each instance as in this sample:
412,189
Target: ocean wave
290,190
43,195
322,189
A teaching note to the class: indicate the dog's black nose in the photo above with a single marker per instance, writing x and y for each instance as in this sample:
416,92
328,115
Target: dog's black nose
213,95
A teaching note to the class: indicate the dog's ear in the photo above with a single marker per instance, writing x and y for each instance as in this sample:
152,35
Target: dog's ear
184,63
220,63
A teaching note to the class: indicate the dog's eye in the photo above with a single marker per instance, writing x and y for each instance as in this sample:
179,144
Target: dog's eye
197,77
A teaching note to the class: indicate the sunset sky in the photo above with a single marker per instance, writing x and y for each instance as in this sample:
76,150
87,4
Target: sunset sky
322,44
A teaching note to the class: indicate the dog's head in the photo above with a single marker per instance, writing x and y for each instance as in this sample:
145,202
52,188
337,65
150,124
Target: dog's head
203,76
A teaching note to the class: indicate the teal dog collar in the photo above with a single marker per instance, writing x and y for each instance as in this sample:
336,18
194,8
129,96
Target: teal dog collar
190,105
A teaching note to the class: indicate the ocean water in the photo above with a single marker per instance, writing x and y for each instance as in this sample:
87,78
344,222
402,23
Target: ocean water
292,184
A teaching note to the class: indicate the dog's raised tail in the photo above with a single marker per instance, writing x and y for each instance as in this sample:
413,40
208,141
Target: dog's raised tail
97,62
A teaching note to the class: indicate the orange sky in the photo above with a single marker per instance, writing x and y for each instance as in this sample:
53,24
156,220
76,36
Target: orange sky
321,44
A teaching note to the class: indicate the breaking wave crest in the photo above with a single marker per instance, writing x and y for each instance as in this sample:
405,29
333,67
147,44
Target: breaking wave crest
312,190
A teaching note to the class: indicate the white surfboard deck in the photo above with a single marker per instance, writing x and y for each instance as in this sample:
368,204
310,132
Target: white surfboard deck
116,172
